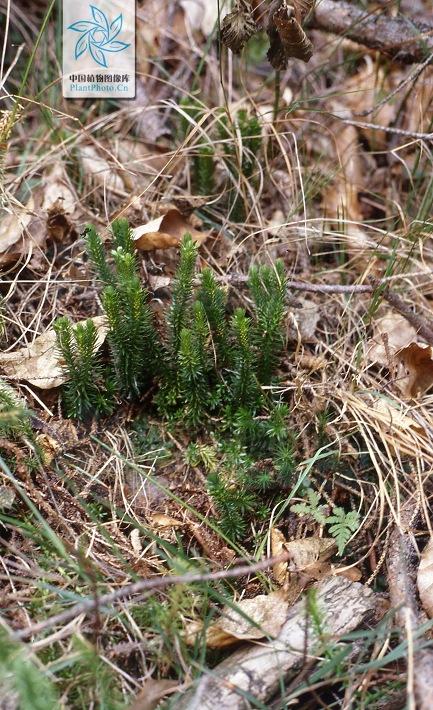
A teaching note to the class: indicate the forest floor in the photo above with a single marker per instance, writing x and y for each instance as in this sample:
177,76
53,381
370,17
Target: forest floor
127,577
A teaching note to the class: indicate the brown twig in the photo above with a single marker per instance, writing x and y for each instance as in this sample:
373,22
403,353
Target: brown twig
406,40
420,323
145,585
401,580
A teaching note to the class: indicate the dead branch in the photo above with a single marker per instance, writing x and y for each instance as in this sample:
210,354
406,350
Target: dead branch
402,588
407,40
258,670
145,585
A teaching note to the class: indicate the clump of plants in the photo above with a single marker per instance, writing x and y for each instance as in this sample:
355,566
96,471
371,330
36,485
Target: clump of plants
204,362
207,369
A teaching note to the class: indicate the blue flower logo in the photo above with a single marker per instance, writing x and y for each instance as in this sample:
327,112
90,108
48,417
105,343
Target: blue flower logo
98,36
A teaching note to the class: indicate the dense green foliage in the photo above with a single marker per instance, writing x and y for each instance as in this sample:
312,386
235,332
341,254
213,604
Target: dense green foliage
86,393
206,361
206,364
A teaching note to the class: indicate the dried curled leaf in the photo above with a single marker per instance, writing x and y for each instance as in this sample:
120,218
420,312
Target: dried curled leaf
417,360
248,619
166,231
238,26
308,556
287,38
425,579
392,332
293,37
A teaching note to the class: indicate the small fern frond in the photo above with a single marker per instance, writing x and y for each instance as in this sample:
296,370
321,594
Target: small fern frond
342,526
312,508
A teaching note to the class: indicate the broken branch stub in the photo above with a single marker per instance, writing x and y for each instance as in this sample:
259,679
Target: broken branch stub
257,670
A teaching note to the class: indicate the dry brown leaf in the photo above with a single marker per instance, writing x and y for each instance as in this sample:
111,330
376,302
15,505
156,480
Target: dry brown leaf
152,693
303,320
47,213
57,190
354,574
254,618
166,231
59,202
21,229
157,282
268,611
50,447
286,36
293,38
311,362
341,199
165,521
12,226
394,330
238,26
99,170
39,363
308,556
418,365
425,578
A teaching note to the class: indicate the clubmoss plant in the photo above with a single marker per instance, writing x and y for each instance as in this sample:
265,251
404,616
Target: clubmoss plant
204,170
268,289
205,362
14,416
132,337
178,314
86,393
214,300
242,146
244,386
